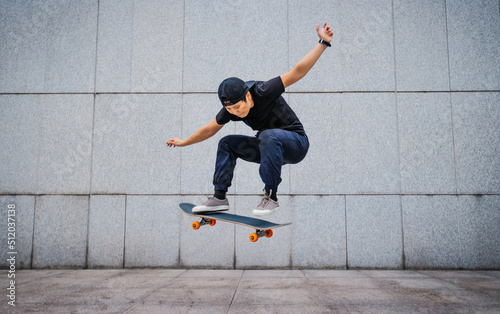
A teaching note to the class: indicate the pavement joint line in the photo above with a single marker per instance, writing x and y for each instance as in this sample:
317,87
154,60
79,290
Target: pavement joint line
235,291
153,291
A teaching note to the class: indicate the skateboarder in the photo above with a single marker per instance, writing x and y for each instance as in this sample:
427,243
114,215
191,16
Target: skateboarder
280,139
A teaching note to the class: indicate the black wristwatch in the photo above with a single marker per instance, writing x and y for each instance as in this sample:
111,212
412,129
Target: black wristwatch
324,42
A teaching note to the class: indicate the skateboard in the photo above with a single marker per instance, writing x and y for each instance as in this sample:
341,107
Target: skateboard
262,227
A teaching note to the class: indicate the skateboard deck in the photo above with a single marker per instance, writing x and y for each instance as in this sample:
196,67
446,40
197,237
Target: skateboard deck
262,227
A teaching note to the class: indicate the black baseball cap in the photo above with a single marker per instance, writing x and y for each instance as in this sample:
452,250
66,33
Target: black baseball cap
232,90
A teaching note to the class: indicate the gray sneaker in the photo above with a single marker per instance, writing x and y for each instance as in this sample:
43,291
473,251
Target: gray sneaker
266,207
213,204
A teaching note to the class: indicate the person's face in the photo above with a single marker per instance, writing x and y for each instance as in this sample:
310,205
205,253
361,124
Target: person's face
242,107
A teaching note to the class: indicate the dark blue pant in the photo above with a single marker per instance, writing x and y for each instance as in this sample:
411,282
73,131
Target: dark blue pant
272,149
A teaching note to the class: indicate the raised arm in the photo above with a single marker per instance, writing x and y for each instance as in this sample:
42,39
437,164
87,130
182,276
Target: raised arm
304,65
200,135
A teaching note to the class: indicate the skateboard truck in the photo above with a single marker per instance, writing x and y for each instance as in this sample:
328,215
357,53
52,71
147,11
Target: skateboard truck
204,221
260,233
253,236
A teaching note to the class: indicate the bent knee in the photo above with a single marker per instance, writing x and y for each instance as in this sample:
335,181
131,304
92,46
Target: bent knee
269,135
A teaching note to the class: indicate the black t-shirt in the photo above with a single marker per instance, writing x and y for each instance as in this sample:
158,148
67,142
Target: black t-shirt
270,110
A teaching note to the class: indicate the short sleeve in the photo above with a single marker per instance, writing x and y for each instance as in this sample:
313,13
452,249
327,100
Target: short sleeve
271,89
223,117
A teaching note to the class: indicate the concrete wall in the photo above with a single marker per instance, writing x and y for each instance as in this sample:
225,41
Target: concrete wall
403,116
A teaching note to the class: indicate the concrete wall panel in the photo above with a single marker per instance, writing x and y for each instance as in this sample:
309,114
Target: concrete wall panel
318,242
367,45
152,231
476,123
371,144
480,227
46,142
421,45
48,46
474,44
303,18
235,38
106,231
17,214
60,233
426,144
130,154
374,232
451,231
323,169
140,46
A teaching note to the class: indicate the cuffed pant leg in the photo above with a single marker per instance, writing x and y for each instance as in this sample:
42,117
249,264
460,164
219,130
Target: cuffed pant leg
277,148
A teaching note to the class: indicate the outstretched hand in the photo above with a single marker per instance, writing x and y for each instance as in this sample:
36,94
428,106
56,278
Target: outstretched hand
175,142
325,32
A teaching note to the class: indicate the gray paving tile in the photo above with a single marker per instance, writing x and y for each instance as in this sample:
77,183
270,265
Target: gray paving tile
393,274
189,283
343,283
210,273
297,296
289,291
198,296
273,274
136,278
178,308
279,308
333,273
273,283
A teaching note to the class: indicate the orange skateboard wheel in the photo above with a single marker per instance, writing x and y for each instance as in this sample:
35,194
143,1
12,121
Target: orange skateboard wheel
269,233
212,222
254,237
196,225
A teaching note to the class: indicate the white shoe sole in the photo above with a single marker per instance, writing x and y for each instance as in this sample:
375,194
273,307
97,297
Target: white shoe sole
266,212
203,209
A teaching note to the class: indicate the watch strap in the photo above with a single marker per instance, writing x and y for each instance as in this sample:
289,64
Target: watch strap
324,42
